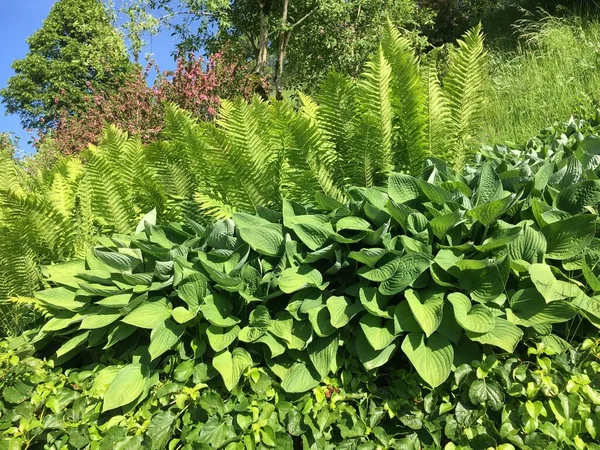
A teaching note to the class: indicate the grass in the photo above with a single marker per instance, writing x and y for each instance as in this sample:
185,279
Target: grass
551,75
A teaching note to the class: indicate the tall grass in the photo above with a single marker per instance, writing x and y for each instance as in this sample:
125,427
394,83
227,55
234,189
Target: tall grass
553,73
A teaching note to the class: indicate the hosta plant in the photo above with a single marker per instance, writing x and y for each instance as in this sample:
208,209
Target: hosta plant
427,273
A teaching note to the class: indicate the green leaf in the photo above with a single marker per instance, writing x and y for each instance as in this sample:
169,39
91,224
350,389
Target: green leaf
149,314
76,341
368,256
487,392
573,199
60,298
568,238
504,335
383,273
547,284
125,388
427,313
182,315
231,366
266,239
529,308
475,318
403,188
590,277
322,352
217,310
163,337
300,378
341,310
410,267
296,278
488,213
490,186
99,318
313,231
529,246
484,280
370,358
221,338
378,332
431,357
500,239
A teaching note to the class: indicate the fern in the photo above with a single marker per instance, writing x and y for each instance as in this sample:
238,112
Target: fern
409,101
464,89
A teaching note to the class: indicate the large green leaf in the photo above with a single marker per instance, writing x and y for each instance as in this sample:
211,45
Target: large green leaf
341,310
231,365
296,278
60,298
529,246
127,385
149,314
403,188
408,270
300,378
568,238
573,199
432,357
266,239
475,318
221,338
370,358
504,335
485,279
379,332
528,308
163,337
428,311
322,352
217,311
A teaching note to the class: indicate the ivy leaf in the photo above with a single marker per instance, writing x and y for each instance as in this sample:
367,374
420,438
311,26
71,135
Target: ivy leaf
487,392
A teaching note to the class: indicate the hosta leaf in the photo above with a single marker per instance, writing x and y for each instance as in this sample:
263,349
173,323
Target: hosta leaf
475,318
573,199
528,308
149,314
75,342
266,239
163,337
320,320
125,387
378,332
382,273
487,213
296,278
431,357
547,284
370,358
590,277
368,256
60,298
300,378
408,270
322,352
115,301
374,302
504,335
352,223
341,310
489,187
529,246
182,315
403,188
434,193
221,338
64,273
568,238
231,365
484,280
99,318
217,310
427,313
500,239
313,231
442,224
193,291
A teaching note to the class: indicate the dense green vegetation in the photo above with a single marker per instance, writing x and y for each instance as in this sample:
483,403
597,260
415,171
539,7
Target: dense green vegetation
343,266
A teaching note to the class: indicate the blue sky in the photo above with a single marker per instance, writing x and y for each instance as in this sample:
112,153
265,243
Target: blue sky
19,19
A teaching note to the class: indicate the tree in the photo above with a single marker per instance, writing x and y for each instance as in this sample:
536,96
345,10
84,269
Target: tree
292,42
77,44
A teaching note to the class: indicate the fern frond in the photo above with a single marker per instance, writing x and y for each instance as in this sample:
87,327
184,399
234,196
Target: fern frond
214,207
440,139
371,160
409,98
464,89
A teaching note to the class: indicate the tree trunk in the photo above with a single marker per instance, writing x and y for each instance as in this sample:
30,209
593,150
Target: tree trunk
263,41
284,37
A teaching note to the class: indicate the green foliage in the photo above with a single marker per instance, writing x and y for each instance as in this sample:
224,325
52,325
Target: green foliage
64,56
538,399
548,77
440,267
